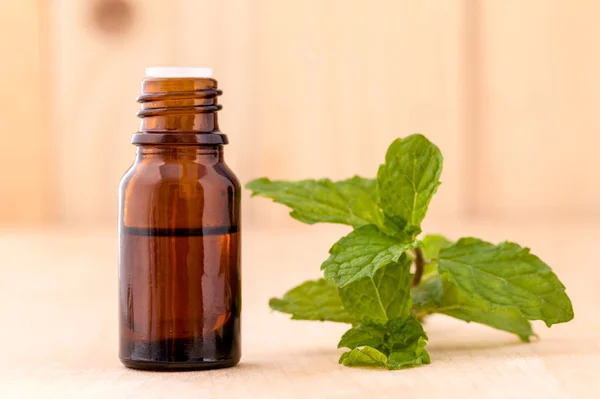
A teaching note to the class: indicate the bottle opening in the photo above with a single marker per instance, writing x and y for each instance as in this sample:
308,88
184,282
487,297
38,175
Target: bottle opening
179,106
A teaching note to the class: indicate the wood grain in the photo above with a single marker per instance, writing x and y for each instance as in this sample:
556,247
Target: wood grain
311,89
22,114
340,83
96,80
507,89
58,299
540,92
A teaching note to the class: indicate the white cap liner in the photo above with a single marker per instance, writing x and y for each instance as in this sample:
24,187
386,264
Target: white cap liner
178,72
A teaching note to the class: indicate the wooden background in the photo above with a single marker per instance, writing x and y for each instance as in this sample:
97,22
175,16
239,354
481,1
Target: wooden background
509,90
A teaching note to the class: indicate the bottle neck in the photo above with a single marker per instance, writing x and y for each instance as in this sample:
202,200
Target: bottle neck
204,154
179,111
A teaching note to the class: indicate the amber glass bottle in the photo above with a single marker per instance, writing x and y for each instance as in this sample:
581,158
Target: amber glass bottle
179,234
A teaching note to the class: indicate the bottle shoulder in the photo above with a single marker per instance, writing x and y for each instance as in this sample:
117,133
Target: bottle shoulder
156,173
228,174
179,194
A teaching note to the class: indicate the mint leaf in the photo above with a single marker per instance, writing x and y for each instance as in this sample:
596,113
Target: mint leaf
361,253
438,295
363,335
313,300
381,298
406,344
509,320
404,332
409,178
416,356
401,343
352,201
506,276
365,357
432,244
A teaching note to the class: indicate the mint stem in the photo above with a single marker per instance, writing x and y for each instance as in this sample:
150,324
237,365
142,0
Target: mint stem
419,263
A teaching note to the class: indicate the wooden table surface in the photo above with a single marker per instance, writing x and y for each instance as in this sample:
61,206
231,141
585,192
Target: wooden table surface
58,302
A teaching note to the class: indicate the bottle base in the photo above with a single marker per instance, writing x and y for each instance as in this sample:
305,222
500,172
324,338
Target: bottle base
178,366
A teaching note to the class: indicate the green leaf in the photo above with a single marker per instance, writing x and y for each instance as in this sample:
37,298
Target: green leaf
438,295
509,320
409,178
415,356
429,270
361,253
432,244
506,276
365,357
401,343
363,335
384,297
352,201
313,300
404,332
406,343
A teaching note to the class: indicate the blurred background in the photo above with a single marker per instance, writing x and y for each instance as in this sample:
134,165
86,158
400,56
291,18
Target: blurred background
509,90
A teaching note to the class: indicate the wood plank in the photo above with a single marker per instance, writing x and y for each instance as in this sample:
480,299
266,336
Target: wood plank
225,41
97,75
540,93
311,89
339,83
77,356
23,123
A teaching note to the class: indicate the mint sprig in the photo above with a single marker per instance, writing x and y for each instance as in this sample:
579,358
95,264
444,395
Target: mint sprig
368,281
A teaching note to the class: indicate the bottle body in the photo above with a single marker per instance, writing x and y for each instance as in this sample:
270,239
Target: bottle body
179,234
179,254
